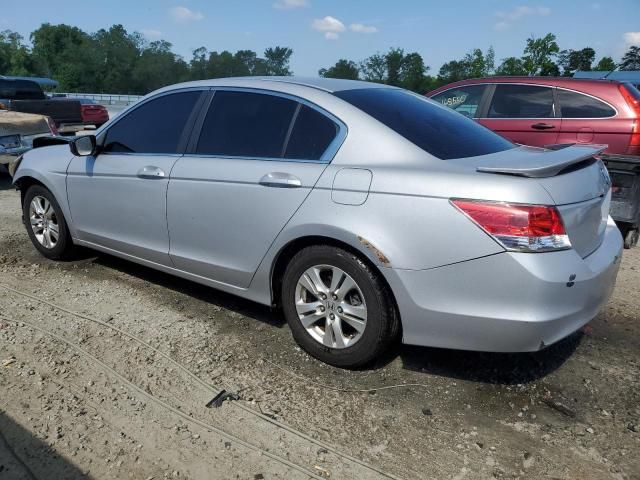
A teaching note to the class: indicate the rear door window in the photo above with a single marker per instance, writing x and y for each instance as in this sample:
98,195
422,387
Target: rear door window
246,124
577,105
311,135
521,101
427,124
154,127
464,100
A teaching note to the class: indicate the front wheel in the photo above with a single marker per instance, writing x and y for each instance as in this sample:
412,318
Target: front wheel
46,224
339,309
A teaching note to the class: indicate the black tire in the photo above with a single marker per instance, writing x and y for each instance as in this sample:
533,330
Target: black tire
382,324
63,248
631,238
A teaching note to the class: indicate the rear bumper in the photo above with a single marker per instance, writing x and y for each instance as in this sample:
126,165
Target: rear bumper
508,302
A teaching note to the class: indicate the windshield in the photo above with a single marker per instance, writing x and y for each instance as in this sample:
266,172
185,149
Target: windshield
434,128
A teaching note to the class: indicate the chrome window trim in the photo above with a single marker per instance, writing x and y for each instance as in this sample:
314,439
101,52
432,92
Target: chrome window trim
329,153
103,133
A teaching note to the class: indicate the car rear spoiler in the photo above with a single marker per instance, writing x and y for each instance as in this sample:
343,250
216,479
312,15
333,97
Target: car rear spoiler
549,162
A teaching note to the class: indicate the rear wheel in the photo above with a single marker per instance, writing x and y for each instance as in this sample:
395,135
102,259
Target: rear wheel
46,224
338,308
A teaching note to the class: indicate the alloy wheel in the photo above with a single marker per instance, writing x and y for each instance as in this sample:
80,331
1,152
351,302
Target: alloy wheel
44,222
331,306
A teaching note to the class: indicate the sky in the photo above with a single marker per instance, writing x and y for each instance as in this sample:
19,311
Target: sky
322,31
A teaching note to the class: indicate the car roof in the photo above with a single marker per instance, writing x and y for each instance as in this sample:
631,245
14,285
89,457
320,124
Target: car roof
330,85
567,82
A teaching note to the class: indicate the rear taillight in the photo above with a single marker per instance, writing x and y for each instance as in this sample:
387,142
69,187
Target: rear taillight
634,104
52,126
522,228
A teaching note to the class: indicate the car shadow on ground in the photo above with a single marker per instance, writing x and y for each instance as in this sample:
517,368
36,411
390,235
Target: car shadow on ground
25,457
484,367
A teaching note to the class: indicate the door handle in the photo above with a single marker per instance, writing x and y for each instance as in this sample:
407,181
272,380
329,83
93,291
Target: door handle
542,126
151,172
280,180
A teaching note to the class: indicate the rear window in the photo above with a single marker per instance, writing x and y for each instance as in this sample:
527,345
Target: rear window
20,90
435,129
576,105
311,135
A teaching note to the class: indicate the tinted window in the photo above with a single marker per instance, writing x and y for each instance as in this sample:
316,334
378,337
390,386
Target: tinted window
431,127
246,124
521,101
311,135
154,127
464,100
576,105
20,90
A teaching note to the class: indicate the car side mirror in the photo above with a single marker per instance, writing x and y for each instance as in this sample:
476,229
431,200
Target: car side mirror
83,146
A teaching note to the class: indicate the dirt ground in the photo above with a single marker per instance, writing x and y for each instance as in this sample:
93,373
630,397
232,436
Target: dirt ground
111,378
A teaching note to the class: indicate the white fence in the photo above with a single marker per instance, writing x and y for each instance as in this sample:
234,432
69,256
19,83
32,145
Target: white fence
106,98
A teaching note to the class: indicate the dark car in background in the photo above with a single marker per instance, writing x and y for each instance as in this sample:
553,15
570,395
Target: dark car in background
551,111
93,113
26,96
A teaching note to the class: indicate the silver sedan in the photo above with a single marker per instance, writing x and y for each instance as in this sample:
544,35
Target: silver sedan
367,213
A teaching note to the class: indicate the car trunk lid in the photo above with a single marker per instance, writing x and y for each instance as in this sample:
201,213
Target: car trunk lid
576,180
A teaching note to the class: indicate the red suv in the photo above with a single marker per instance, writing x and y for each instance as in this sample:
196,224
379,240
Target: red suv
546,110
543,111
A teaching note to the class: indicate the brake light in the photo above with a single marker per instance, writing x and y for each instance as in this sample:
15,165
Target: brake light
52,126
634,104
517,227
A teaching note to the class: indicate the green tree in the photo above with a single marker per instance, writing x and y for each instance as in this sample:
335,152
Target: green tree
539,55
397,68
394,60
605,64
342,69
68,55
157,66
573,60
15,57
631,59
119,52
413,73
198,64
277,61
511,66
474,64
374,68
247,62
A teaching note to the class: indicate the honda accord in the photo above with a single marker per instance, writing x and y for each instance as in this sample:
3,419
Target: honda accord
365,212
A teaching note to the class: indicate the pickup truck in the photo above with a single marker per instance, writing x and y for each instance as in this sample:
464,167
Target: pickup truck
26,96
18,131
